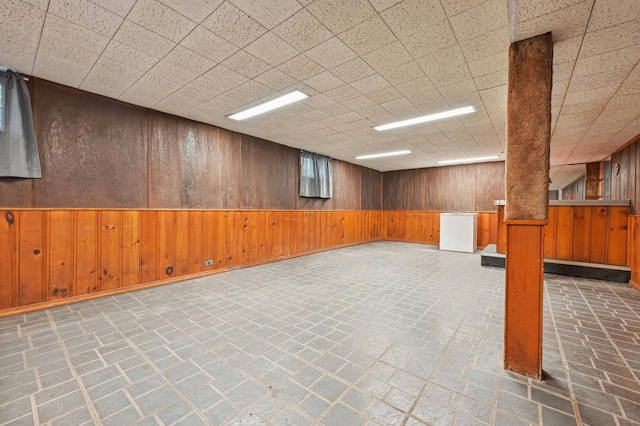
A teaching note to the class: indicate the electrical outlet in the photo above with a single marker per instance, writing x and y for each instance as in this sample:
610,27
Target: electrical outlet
208,262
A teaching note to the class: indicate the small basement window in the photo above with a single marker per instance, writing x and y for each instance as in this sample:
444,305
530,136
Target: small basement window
3,104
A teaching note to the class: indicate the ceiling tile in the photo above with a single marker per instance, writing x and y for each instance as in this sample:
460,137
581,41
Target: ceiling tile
370,84
225,76
196,10
301,67
110,78
143,39
486,45
380,5
566,50
353,70
246,64
319,101
632,83
149,90
208,44
454,7
270,13
489,65
302,31
246,95
343,93
275,79
63,63
388,56
40,4
609,13
119,7
203,89
271,49
488,81
434,38
74,34
368,36
484,18
182,65
413,17
331,53
86,14
339,15
445,66
160,19
563,24
402,73
611,38
324,81
234,25
601,93
419,91
609,61
594,81
21,27
129,56
359,103
527,10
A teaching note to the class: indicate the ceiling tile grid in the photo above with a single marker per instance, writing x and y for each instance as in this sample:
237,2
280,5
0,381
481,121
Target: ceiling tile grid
364,63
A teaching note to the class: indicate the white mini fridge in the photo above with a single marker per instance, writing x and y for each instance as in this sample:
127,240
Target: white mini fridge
458,232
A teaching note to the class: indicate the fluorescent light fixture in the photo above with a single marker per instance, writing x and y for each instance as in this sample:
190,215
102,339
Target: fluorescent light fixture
384,154
426,118
281,101
469,160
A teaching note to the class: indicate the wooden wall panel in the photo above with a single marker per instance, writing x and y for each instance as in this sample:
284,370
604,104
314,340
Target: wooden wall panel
130,248
61,254
598,235
564,232
8,290
489,187
110,249
617,242
404,190
268,175
87,249
580,237
347,188
371,192
634,250
93,150
32,267
550,231
451,189
149,251
167,243
16,192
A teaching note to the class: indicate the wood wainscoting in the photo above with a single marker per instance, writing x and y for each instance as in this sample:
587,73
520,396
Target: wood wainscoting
54,257
633,251
424,227
594,234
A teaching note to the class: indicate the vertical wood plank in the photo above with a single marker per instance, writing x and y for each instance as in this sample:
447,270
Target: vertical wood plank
181,266
286,233
149,250
110,242
87,247
324,231
564,219
275,221
580,233
617,241
167,235
196,256
220,244
61,254
550,233
234,220
8,290
31,272
263,235
598,234
209,234
130,248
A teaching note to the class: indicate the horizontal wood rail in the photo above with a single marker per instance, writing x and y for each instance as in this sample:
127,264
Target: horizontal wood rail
595,234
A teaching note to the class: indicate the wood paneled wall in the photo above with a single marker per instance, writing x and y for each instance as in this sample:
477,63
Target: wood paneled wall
463,188
57,254
101,153
634,250
626,184
424,227
575,190
592,234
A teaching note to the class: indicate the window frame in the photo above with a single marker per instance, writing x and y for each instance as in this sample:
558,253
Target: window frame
3,104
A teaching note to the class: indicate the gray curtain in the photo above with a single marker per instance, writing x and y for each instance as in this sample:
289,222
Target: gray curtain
18,148
315,175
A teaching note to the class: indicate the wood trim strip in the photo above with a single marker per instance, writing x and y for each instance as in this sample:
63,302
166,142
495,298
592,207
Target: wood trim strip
526,222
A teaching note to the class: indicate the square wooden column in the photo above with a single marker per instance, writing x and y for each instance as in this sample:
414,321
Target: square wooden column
527,200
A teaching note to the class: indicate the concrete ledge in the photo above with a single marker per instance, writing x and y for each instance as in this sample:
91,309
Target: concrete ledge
596,271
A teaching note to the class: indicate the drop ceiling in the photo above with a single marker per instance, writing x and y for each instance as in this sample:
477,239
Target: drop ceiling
363,63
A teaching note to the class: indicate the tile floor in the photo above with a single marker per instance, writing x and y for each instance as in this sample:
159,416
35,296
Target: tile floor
384,333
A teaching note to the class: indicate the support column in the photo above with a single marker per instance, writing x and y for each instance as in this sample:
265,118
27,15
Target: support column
593,190
527,200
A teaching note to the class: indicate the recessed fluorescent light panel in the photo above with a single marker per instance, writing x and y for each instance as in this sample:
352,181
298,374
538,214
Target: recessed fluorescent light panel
426,118
281,101
384,154
469,160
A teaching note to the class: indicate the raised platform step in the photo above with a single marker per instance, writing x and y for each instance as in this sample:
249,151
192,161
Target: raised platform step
596,271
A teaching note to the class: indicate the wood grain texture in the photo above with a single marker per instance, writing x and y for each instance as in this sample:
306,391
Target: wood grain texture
61,254
371,193
523,300
348,194
93,150
489,185
404,190
451,189
268,175
634,250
